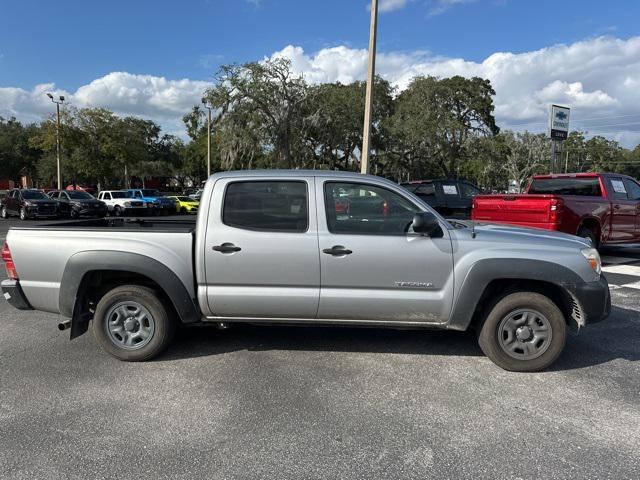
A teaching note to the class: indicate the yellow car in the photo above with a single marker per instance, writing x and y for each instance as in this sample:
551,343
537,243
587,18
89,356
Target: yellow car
186,204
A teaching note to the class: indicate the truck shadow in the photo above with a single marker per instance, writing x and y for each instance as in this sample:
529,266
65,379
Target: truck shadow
616,338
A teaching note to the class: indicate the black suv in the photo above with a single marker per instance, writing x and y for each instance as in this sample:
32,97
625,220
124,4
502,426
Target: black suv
28,204
450,198
77,203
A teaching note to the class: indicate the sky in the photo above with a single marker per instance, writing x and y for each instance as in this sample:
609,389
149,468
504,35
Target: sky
154,59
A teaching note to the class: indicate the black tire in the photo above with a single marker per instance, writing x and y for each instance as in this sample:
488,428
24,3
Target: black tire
586,232
3,212
117,211
183,211
164,323
74,213
23,214
508,307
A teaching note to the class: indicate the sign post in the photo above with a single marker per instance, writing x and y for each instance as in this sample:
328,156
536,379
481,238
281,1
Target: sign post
558,131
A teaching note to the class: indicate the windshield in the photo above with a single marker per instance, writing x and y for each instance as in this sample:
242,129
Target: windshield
151,193
34,195
120,195
79,195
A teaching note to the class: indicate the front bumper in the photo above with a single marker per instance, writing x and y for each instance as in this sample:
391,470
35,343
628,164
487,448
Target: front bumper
40,212
92,212
13,293
592,301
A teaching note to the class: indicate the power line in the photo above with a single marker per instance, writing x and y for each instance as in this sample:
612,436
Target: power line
579,120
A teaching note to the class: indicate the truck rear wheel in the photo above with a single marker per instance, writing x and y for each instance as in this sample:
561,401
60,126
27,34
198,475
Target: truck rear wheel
523,332
133,323
586,232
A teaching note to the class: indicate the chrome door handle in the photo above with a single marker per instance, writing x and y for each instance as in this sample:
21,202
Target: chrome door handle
337,250
226,248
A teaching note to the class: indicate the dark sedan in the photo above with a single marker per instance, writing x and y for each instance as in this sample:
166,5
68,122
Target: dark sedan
76,203
28,204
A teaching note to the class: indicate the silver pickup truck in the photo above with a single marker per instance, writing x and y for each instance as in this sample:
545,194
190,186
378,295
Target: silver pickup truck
309,248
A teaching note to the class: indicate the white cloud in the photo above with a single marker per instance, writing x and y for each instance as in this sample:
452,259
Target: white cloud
390,5
441,6
598,77
435,7
147,96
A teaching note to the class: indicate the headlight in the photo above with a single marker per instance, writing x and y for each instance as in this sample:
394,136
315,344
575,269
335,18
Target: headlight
127,204
28,204
593,257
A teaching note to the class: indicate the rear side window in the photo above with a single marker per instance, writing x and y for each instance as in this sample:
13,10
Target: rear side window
589,187
617,188
426,190
267,206
450,189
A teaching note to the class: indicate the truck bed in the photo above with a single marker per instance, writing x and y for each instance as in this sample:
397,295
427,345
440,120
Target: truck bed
42,252
122,224
524,209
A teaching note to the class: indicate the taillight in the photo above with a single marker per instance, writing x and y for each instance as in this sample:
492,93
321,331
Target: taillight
555,214
8,262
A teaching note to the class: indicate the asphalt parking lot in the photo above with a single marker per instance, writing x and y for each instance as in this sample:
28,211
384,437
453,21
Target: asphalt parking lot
294,403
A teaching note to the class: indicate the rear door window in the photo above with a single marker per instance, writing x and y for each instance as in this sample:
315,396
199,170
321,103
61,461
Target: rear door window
617,188
268,206
589,186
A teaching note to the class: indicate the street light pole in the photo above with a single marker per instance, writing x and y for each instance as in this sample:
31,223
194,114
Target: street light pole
368,105
58,103
208,107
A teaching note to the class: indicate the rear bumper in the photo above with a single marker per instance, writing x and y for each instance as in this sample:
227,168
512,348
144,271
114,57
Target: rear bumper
593,299
13,293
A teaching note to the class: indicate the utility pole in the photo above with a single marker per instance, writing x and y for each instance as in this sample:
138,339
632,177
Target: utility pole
368,103
58,103
208,107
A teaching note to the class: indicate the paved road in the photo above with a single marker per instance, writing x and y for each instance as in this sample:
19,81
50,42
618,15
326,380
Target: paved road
294,403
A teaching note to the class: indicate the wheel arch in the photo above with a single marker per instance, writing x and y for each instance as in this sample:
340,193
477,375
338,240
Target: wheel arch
89,275
592,224
489,279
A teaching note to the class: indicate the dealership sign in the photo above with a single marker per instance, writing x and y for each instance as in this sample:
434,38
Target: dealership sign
559,122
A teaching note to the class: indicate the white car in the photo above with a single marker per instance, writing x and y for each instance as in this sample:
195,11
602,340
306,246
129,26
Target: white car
120,202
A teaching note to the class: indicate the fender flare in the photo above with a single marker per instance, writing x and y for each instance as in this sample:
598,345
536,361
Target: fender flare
483,272
82,263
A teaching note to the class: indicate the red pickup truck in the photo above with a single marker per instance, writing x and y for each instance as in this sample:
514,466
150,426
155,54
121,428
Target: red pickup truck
604,207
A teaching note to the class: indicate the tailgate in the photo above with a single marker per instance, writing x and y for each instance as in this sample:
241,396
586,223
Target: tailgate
528,210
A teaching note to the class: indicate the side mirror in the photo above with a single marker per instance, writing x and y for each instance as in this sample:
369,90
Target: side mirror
426,223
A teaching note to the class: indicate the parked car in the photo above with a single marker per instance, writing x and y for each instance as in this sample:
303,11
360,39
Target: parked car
186,204
78,203
270,248
451,198
197,194
601,207
28,203
119,202
154,200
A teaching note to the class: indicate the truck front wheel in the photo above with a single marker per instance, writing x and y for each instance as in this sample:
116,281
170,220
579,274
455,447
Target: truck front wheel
133,323
523,332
